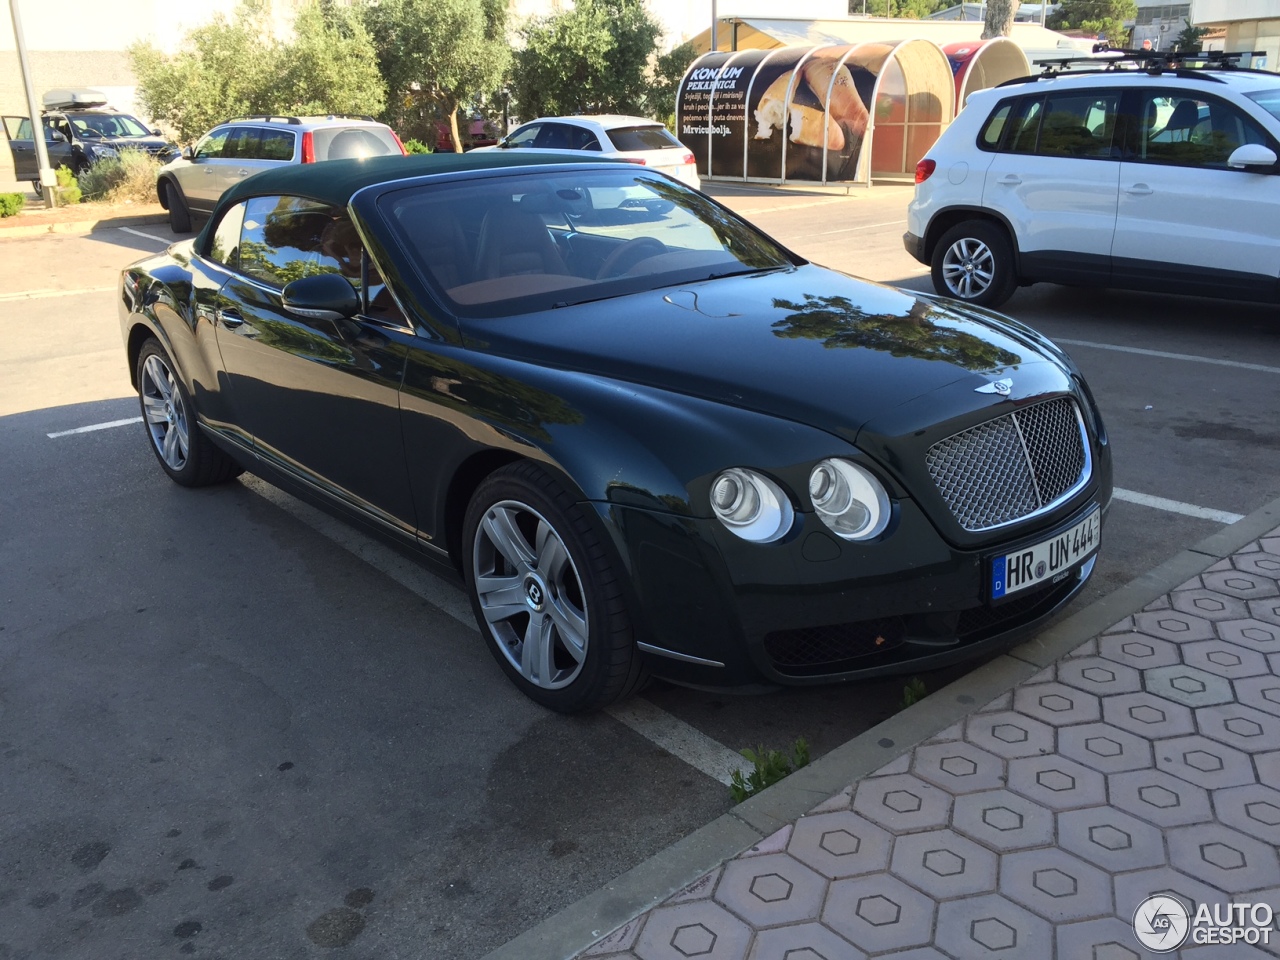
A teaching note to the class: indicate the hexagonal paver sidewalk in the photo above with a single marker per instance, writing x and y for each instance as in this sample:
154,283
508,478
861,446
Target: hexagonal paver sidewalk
1146,761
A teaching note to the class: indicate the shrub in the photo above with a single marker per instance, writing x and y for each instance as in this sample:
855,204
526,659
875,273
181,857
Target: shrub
768,767
129,177
68,191
416,146
11,203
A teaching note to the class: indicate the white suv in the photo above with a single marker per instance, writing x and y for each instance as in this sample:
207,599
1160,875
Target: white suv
1163,178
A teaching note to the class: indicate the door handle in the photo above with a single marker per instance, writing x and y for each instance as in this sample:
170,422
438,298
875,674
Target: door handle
1139,190
229,318
1010,180
242,173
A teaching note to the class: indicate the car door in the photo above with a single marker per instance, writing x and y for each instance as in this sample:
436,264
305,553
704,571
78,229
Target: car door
320,398
23,149
1054,180
1187,221
201,178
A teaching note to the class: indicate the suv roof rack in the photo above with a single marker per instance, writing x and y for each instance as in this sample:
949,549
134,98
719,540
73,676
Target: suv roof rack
1107,59
294,121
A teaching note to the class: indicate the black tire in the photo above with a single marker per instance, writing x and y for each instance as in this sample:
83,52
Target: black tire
167,422
35,185
610,667
179,212
973,262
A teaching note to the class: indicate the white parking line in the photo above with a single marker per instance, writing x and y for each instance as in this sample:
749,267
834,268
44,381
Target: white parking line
50,292
1176,506
150,236
94,426
651,722
1238,364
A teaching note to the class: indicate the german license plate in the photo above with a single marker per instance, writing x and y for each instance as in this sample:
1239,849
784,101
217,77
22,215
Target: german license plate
1047,560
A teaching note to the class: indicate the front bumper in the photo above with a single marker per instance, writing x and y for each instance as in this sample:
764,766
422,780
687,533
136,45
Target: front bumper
810,609
915,246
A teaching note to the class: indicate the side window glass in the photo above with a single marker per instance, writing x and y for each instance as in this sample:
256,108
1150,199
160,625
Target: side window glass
283,239
275,145
1026,127
211,146
1078,126
582,139
1194,132
989,138
242,144
525,137
554,136
225,246
17,128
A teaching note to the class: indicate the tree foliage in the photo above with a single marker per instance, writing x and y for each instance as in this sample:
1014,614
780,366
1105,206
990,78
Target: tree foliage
592,58
668,71
1103,18
436,55
235,66
1188,40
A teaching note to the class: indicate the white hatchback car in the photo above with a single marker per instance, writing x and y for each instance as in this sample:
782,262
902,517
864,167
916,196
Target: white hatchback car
1163,178
635,139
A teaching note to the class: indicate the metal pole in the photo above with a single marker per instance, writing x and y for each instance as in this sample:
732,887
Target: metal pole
1044,11
47,178
715,40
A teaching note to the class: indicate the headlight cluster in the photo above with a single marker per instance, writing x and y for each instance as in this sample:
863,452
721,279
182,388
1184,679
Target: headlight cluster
849,500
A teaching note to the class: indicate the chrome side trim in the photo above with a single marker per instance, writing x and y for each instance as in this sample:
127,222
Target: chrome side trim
687,658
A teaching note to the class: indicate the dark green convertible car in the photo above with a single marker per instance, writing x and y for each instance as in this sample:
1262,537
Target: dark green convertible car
646,437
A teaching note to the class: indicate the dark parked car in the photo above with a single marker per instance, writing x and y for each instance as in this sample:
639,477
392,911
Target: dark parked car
644,435
78,132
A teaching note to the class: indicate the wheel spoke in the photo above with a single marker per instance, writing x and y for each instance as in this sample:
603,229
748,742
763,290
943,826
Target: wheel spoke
170,448
571,625
154,409
159,377
553,558
501,597
535,651
500,527
180,428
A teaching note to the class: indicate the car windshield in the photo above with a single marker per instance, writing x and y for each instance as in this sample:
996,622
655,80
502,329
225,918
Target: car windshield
112,125
504,245
1268,100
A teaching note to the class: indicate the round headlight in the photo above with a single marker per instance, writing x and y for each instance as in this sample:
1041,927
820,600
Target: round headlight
850,501
750,505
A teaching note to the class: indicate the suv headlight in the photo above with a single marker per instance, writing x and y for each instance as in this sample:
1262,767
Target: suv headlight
850,501
751,505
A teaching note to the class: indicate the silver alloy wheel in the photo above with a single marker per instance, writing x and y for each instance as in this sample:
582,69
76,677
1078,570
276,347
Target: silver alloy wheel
164,412
530,594
968,267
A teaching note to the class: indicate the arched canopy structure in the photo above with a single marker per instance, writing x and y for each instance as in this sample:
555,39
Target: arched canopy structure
832,112
984,63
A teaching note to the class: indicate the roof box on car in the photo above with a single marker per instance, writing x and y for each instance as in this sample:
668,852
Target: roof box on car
80,98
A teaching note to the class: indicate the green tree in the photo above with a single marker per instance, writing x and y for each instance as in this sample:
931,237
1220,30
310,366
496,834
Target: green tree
235,66
437,55
1188,41
998,18
593,58
1104,18
668,71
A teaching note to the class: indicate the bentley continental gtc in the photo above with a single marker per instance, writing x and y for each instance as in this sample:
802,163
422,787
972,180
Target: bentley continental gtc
645,437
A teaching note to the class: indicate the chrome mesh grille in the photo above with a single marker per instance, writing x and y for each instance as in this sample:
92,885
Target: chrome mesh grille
1010,467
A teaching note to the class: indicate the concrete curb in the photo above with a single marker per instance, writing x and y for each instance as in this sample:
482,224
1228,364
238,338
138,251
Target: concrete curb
15,231
646,885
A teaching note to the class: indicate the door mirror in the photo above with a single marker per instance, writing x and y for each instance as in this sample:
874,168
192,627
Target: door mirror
156,132
188,152
1251,155
326,296
56,136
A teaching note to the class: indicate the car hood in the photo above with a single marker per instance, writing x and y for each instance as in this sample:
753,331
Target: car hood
806,344
149,144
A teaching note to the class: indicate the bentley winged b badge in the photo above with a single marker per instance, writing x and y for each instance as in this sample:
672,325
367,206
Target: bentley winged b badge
1002,387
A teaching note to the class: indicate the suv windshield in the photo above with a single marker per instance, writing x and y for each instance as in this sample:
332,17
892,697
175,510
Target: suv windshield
507,245
351,143
112,125
1268,100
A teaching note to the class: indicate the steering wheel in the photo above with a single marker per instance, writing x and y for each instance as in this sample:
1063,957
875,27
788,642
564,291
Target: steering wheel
627,255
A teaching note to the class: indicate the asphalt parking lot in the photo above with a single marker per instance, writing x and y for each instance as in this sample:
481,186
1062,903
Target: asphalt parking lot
231,726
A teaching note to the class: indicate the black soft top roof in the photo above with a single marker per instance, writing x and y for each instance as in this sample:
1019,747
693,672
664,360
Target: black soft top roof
333,182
